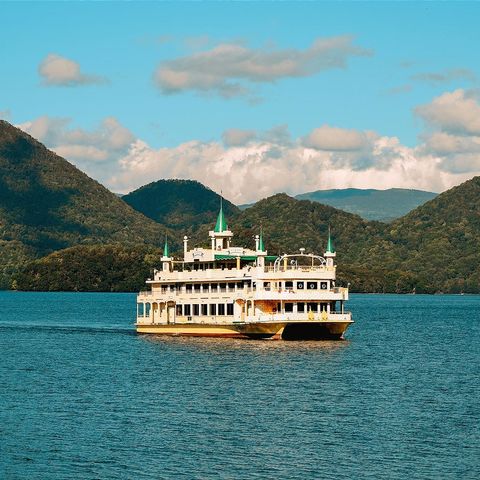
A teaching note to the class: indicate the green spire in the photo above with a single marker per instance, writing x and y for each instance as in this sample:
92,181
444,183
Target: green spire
165,248
261,246
330,248
221,224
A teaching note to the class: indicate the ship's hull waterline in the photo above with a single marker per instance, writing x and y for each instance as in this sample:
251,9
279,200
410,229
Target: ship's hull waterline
298,330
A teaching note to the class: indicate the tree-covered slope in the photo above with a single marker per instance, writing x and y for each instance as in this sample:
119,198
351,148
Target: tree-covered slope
371,204
432,249
91,268
179,204
289,224
439,242
47,204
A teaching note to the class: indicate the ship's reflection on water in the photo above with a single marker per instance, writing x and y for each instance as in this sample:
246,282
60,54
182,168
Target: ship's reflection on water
222,345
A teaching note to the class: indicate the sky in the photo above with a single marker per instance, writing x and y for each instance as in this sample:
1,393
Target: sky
251,98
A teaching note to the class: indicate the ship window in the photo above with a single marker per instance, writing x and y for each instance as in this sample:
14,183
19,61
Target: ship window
179,310
300,307
288,284
204,309
239,285
188,287
323,285
279,307
140,309
231,287
213,309
186,310
214,287
312,307
312,285
267,286
223,287
288,307
196,309
221,309
300,285
229,308
197,287
147,309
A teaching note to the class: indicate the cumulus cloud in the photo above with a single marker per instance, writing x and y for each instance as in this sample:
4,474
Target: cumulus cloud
455,112
453,122
259,168
337,139
229,69
59,71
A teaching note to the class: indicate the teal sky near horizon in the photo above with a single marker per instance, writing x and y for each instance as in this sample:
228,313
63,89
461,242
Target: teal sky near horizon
399,56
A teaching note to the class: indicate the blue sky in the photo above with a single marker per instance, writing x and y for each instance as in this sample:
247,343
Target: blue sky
411,53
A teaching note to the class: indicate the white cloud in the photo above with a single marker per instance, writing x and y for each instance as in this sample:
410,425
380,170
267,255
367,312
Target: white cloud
455,112
248,165
59,71
229,69
261,168
453,120
337,139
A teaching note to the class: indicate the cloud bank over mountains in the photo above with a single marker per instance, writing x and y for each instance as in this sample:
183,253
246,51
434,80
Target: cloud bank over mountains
248,165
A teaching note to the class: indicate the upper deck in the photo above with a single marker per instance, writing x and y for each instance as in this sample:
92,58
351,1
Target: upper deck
268,273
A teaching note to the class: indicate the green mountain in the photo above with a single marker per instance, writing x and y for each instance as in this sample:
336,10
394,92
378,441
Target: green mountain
289,224
47,204
382,205
432,249
178,204
438,242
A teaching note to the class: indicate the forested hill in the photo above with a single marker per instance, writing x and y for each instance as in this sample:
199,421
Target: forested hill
433,249
47,204
180,204
289,224
371,204
439,242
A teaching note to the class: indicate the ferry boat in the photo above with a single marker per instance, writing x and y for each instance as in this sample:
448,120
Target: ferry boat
228,291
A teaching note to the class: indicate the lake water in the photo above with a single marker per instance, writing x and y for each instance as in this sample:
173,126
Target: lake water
83,397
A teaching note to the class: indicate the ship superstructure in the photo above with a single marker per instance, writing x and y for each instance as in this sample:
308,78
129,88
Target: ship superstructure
228,291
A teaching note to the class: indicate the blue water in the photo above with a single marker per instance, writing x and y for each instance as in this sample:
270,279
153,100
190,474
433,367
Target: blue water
83,397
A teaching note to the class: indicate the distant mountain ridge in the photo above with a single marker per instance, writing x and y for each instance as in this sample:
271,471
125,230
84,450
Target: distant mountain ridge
371,204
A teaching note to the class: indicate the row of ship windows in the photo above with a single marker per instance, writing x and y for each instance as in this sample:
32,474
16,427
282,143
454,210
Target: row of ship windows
230,287
196,309
304,307
223,309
